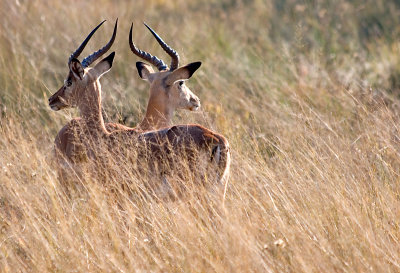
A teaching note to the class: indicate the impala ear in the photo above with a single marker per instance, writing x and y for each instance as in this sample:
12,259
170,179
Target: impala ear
183,73
104,65
76,68
144,70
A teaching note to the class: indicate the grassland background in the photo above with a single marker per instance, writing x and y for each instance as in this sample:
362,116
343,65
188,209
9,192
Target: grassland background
307,92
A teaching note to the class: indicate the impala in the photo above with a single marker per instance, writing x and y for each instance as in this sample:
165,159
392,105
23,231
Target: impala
86,136
163,100
168,91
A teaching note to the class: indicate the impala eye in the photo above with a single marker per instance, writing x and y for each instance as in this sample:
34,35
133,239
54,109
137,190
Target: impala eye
69,83
181,83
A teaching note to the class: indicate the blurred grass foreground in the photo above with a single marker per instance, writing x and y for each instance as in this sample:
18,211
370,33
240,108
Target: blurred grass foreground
307,92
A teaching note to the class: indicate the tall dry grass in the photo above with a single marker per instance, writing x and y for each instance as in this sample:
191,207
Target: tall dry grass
307,92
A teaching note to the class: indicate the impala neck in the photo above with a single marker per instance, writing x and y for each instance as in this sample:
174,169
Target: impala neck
90,108
157,116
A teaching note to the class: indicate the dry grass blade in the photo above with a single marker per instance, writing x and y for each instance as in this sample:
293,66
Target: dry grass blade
307,92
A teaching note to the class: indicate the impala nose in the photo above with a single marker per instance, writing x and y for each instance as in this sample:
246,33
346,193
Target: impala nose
195,103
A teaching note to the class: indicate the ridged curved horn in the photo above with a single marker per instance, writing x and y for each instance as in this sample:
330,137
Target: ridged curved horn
146,56
82,46
170,51
94,56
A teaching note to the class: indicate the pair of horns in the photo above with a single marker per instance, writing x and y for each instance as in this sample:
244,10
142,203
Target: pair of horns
153,59
142,54
94,56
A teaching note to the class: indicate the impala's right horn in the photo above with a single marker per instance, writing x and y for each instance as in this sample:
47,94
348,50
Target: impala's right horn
82,46
170,51
145,55
94,56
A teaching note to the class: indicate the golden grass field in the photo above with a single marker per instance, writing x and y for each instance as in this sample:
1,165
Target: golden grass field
307,93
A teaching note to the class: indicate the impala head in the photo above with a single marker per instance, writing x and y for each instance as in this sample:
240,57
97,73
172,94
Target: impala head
80,75
167,85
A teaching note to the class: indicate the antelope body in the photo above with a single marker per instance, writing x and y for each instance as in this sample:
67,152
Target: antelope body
163,100
89,139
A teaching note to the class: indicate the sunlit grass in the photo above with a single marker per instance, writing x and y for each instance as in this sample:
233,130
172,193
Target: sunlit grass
307,93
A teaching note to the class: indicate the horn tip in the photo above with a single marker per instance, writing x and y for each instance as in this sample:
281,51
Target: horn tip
144,23
130,31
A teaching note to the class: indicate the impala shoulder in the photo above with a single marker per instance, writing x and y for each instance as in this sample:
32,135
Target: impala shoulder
63,137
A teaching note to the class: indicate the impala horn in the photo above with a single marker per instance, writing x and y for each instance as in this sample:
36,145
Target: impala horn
170,51
91,58
145,55
94,56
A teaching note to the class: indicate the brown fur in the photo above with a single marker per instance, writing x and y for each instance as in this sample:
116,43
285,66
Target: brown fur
80,140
